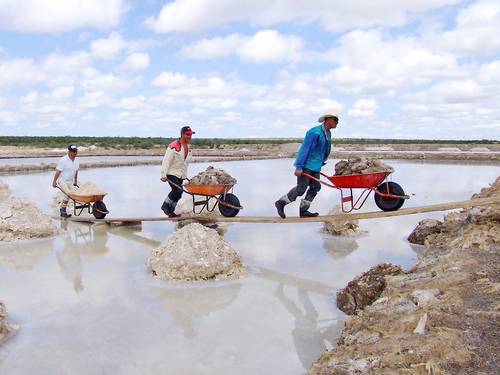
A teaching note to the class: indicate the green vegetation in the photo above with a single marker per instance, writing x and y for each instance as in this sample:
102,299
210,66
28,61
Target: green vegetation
155,142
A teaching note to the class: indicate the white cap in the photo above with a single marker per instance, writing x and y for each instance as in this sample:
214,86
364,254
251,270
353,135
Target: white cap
330,113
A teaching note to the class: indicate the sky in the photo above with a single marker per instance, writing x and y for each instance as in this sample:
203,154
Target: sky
412,69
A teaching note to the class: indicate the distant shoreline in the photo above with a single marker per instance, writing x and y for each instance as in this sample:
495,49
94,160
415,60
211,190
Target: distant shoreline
424,152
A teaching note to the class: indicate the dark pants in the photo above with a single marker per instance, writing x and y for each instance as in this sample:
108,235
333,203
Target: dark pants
176,192
303,183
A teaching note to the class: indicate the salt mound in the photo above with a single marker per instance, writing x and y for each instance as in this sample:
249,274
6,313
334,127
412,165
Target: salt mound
87,188
5,329
361,166
213,176
3,187
340,228
19,221
194,252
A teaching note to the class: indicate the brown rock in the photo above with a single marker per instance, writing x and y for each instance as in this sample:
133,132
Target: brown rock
424,229
365,289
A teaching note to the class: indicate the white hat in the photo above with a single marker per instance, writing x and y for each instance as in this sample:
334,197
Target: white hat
330,113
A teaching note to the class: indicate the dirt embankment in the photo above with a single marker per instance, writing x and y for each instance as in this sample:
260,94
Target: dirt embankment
441,317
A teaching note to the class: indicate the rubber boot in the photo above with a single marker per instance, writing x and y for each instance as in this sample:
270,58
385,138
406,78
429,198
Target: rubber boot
280,205
304,209
168,208
63,212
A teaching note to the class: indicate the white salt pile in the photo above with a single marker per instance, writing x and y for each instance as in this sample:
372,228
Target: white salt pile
340,228
20,221
195,253
5,328
361,166
4,188
87,188
213,176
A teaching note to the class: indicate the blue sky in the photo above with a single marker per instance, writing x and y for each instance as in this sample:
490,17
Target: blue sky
263,68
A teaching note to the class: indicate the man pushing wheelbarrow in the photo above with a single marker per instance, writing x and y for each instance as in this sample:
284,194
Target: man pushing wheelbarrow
174,169
311,157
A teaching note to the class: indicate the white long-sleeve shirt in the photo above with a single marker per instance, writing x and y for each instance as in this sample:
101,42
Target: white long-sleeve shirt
174,162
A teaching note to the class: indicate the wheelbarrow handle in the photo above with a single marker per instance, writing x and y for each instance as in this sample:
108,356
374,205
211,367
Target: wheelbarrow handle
318,180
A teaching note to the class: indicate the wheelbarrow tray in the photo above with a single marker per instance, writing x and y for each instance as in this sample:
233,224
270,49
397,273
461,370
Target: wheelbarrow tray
208,189
368,180
87,198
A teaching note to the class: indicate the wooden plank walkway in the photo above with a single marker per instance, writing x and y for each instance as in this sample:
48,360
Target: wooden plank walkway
278,220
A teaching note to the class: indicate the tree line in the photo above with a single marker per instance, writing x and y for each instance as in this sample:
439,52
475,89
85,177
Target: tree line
155,142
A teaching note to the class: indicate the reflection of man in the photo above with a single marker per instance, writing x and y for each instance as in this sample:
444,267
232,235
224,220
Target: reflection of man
307,337
66,175
70,263
311,157
174,169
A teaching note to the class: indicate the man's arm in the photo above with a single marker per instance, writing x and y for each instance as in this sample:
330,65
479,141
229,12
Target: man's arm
165,164
75,182
304,152
56,176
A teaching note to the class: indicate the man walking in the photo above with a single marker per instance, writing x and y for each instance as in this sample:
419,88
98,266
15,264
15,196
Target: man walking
66,175
311,157
174,169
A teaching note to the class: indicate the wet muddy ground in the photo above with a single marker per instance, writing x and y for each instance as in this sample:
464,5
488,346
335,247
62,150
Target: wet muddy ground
86,303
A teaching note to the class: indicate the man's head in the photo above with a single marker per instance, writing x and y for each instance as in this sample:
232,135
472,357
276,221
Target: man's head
186,133
331,118
72,151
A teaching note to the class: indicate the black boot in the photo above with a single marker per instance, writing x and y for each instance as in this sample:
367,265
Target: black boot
165,207
63,213
304,209
306,213
168,210
280,207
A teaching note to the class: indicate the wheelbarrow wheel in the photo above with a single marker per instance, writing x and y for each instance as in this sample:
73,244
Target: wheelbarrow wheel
99,210
388,203
226,210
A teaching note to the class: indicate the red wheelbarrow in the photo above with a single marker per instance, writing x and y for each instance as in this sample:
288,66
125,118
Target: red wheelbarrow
389,196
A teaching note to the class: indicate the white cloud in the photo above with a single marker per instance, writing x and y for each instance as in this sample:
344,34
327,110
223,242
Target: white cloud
476,32
371,64
19,72
59,16
195,15
264,46
10,118
363,108
94,99
132,102
137,61
108,48
63,93
169,79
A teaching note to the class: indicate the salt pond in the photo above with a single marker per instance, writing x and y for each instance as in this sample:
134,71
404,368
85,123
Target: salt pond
83,159
86,304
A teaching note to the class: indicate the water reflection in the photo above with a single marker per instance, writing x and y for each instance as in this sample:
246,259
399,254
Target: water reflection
89,241
339,246
188,304
308,337
22,256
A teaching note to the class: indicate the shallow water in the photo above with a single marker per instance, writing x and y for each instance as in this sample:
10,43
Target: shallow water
86,304
83,159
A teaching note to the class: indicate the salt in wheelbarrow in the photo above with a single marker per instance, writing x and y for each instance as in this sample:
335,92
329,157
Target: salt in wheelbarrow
93,203
389,196
212,196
